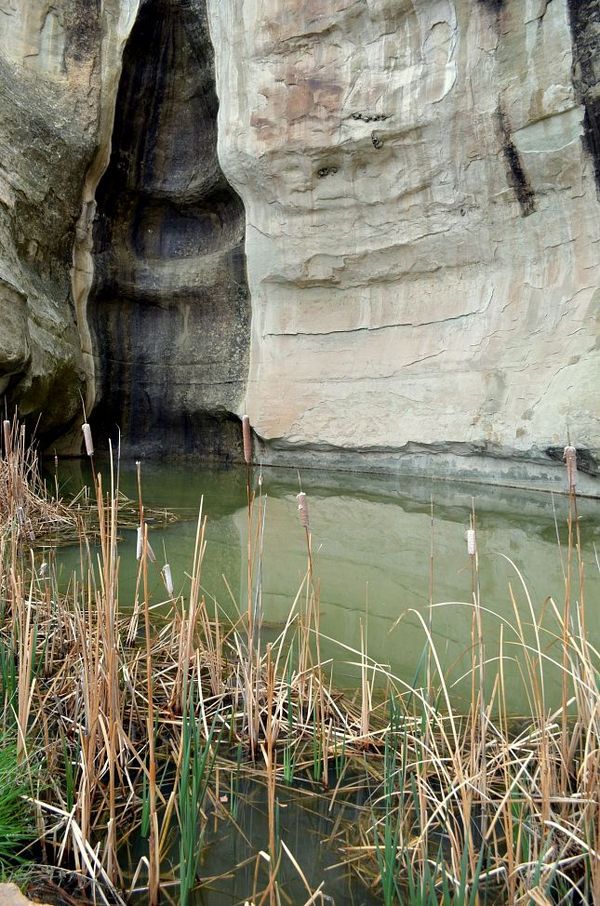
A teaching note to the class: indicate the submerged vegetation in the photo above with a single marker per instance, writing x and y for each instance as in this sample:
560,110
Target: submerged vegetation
148,718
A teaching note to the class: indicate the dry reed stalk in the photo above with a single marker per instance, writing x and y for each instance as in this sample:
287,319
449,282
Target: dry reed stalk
249,668
270,756
305,625
365,689
109,615
154,838
27,632
482,718
570,456
6,432
153,844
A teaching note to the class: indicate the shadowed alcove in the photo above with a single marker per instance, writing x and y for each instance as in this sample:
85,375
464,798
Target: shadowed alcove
169,307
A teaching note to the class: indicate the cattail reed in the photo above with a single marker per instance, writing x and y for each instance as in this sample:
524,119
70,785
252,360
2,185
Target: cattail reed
87,437
471,542
303,510
140,546
512,803
570,457
167,579
6,432
247,437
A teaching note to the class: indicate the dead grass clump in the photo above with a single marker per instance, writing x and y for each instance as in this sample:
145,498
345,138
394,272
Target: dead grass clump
26,509
32,513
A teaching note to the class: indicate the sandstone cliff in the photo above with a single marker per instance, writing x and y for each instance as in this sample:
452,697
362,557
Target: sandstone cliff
59,68
415,185
420,180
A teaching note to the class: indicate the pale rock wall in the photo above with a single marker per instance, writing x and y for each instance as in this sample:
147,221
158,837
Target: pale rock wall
422,228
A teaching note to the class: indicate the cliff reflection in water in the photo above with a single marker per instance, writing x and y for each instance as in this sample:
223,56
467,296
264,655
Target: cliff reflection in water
372,539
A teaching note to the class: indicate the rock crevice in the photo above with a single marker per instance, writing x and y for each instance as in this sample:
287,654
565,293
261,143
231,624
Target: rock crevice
169,305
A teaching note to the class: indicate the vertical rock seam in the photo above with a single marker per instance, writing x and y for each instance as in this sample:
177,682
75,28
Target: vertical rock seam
169,307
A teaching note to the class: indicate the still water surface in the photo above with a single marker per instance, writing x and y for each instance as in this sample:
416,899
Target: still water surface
373,539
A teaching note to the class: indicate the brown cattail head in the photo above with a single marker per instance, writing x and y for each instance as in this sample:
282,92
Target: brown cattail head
247,436
570,457
303,509
87,437
6,432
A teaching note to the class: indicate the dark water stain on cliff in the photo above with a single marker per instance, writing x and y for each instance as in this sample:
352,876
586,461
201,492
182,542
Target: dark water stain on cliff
83,29
495,6
517,178
169,308
584,18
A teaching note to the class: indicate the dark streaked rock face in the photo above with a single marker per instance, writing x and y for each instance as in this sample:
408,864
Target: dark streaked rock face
169,307
584,17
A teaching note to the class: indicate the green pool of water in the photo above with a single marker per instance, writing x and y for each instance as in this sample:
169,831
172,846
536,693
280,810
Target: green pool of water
384,547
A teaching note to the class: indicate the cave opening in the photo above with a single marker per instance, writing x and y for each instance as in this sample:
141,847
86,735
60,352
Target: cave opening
169,307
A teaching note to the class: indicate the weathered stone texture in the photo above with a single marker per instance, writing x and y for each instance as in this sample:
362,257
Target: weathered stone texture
46,136
57,62
419,185
422,224
169,305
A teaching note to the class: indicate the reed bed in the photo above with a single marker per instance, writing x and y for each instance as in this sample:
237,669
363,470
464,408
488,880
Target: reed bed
37,513
149,717
25,505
